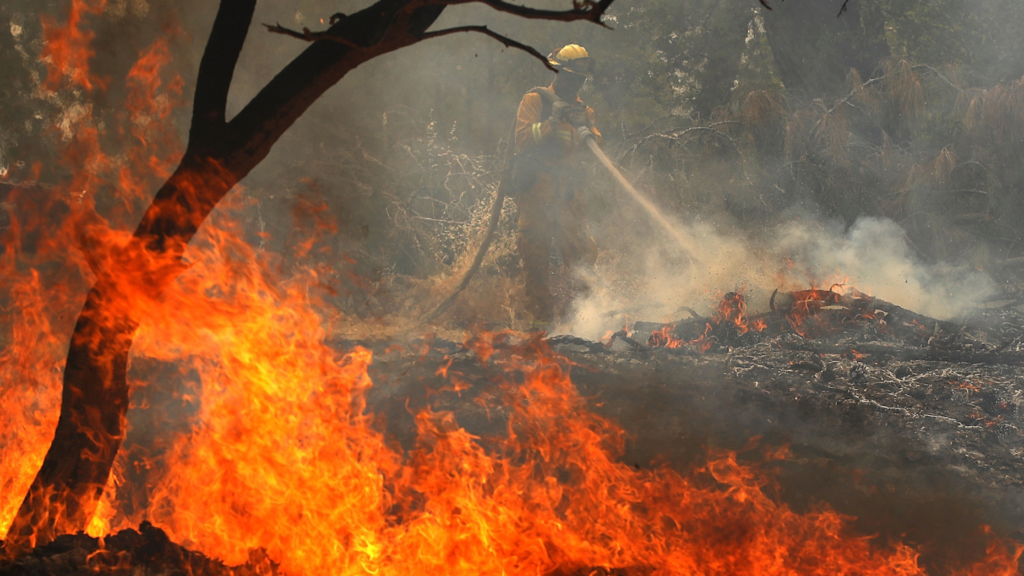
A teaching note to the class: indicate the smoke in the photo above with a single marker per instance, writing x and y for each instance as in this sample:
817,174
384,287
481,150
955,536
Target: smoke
874,255
657,72
871,255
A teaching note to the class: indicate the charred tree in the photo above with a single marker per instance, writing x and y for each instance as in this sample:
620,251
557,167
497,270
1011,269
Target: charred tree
220,152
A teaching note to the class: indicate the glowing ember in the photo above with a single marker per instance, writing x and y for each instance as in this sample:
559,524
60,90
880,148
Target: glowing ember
728,323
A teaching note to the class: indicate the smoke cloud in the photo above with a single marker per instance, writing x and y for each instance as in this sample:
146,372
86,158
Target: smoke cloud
872,256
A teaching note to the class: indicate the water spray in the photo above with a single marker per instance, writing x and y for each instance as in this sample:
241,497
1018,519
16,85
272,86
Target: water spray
684,241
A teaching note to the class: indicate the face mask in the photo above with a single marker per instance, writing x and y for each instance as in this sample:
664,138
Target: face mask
568,84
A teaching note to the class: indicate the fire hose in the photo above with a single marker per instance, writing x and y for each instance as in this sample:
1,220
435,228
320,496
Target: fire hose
485,244
492,226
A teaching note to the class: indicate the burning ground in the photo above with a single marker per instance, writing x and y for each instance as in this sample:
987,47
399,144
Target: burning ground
721,445
903,422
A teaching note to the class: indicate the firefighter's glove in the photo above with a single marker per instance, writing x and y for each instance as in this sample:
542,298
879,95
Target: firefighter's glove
558,112
577,116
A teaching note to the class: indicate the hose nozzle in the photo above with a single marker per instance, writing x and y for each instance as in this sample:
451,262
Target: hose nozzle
584,132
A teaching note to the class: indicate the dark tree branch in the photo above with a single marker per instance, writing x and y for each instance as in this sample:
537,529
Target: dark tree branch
310,36
582,10
508,42
589,10
384,27
218,65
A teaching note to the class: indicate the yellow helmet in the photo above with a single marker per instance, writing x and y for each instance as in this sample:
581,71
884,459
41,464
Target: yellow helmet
572,58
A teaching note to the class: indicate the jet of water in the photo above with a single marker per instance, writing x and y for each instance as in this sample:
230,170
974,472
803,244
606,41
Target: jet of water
685,241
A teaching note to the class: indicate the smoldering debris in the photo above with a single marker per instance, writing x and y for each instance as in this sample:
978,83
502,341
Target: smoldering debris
146,551
872,256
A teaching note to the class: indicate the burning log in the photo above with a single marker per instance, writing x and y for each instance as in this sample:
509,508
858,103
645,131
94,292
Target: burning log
807,313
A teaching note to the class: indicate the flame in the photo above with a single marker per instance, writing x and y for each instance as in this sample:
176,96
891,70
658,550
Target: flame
663,337
806,306
56,237
733,309
67,48
815,312
284,456
731,312
30,396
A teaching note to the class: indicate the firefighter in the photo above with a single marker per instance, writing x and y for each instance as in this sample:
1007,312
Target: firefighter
549,126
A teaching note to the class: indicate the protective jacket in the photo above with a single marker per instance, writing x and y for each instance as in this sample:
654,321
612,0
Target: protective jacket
534,127
551,208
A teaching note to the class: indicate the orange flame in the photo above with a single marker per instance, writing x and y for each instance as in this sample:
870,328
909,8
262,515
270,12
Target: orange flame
731,311
664,338
67,50
285,457
55,237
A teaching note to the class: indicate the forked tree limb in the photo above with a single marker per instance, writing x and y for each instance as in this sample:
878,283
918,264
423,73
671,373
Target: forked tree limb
65,492
310,36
